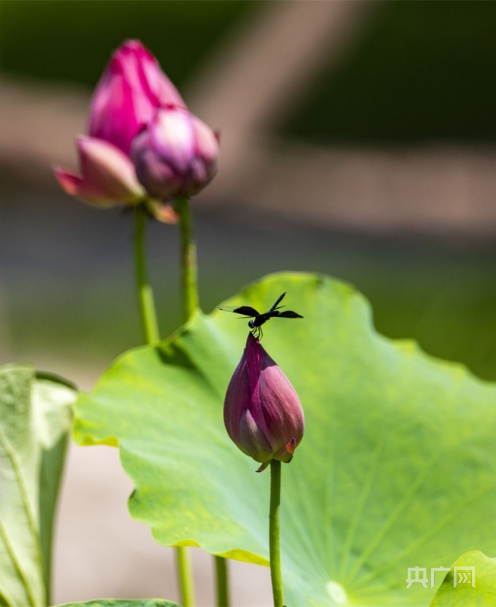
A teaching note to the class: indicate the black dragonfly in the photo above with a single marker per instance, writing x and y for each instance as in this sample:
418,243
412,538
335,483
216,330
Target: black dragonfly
258,319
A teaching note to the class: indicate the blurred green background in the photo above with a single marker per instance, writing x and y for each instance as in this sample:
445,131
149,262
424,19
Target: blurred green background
71,41
419,71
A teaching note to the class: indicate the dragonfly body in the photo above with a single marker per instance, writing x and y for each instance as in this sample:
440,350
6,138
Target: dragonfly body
258,319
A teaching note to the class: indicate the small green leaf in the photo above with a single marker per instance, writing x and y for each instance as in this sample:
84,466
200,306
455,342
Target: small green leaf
123,603
470,583
397,467
35,419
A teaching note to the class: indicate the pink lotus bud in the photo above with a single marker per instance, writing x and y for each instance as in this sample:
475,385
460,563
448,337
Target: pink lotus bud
132,87
262,411
175,154
107,175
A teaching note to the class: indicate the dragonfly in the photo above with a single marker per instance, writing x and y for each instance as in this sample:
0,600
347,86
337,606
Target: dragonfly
258,319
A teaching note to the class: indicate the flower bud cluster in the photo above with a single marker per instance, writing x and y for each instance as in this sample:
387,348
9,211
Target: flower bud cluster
143,143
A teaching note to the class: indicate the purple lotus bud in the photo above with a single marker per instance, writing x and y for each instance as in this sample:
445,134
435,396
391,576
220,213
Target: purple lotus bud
107,175
262,412
175,154
132,87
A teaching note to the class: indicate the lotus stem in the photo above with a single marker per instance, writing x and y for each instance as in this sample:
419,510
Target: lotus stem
145,293
274,533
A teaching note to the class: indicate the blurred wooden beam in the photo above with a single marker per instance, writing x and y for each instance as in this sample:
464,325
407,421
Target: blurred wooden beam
263,70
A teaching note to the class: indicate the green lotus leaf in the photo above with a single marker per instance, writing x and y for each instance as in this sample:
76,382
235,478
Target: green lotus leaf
471,582
397,467
35,419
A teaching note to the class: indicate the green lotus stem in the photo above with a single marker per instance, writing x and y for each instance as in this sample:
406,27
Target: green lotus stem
151,335
274,533
145,293
222,582
188,258
185,575
190,305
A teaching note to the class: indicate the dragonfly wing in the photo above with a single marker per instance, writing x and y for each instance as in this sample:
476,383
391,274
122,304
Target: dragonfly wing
246,310
289,314
274,307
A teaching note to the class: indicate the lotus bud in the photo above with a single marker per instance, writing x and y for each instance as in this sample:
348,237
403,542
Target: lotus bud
175,154
262,412
132,87
107,175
